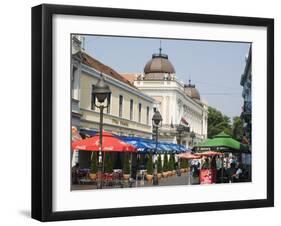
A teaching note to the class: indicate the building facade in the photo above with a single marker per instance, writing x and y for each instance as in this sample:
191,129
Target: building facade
246,115
178,103
76,63
135,97
130,110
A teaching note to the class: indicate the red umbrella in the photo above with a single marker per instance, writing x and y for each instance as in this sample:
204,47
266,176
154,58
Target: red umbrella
208,153
188,155
110,143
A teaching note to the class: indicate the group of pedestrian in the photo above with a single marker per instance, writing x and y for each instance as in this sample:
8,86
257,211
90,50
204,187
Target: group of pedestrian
234,172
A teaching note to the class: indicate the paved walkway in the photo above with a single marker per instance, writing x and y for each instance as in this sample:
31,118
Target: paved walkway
184,179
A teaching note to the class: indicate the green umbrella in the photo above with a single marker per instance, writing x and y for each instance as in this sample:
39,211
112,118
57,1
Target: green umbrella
222,142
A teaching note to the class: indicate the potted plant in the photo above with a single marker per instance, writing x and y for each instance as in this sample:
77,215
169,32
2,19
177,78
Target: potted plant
108,167
165,166
149,168
184,165
170,165
126,167
159,167
94,166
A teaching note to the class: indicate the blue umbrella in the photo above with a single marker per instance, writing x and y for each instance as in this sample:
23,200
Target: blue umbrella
148,146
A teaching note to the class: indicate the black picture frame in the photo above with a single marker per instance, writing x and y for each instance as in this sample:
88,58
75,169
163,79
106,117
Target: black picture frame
42,111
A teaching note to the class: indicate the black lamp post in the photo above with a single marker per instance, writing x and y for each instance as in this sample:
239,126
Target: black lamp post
192,135
156,119
180,130
101,91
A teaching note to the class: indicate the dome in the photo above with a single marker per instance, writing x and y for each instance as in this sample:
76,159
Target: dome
191,91
159,64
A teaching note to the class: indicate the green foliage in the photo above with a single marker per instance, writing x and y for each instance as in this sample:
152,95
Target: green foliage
165,164
94,162
108,166
217,122
159,164
171,165
184,163
126,165
237,128
149,165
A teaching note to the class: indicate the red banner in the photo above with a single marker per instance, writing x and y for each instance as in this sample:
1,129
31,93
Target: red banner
207,176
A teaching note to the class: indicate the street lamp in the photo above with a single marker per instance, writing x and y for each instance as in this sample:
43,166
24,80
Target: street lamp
101,91
192,135
156,119
180,130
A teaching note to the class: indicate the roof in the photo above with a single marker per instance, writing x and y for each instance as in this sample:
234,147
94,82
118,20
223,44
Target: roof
191,91
159,64
131,77
94,63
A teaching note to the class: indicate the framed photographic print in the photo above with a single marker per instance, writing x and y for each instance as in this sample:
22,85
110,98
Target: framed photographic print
146,112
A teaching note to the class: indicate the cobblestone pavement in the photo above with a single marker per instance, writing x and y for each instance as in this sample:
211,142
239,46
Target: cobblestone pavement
184,179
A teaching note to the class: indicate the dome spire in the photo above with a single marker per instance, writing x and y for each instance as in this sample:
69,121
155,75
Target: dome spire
159,63
160,49
191,91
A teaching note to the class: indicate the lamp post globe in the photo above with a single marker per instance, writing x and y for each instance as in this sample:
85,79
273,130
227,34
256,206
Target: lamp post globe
156,119
180,130
192,135
101,91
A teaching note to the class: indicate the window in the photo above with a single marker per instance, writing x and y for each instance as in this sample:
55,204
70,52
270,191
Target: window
139,112
108,104
120,105
93,100
131,109
147,115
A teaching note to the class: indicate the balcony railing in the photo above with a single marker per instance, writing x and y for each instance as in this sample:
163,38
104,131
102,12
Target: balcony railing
173,130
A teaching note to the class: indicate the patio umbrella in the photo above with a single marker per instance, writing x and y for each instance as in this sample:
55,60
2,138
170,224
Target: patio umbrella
222,142
110,143
142,145
208,153
188,155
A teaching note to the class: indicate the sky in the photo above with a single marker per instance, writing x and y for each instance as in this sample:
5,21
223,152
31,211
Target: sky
214,67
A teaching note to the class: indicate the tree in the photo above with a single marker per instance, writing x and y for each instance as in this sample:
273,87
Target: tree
126,165
149,165
94,163
217,122
165,164
184,163
237,128
159,164
171,162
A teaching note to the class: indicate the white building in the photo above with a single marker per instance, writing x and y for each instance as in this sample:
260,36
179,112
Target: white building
130,110
132,104
178,103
